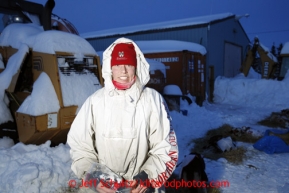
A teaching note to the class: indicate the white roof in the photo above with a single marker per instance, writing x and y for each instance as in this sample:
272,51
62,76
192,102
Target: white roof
158,46
159,25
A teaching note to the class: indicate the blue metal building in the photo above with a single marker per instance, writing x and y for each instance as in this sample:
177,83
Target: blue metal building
222,35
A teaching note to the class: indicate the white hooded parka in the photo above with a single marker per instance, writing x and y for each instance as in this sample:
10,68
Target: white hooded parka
129,131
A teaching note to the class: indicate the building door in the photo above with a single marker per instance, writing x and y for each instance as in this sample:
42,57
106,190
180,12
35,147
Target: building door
233,60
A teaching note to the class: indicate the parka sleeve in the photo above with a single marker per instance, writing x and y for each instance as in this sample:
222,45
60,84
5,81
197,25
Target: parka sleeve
81,141
163,152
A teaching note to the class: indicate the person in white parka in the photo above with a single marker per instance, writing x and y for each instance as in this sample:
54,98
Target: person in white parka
125,125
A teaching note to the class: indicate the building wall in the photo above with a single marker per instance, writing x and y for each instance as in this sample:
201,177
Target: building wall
228,31
212,36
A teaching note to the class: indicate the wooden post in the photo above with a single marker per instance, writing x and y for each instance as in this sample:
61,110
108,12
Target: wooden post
211,83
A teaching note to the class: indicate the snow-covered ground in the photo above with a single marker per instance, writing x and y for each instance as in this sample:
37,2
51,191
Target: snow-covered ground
31,168
239,101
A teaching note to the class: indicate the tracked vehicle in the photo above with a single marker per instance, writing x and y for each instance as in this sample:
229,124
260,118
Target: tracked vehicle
45,73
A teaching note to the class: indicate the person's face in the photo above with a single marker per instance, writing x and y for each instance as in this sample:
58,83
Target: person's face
123,73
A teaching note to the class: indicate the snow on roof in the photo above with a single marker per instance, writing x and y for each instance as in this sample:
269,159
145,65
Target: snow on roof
160,25
157,46
44,41
156,65
285,49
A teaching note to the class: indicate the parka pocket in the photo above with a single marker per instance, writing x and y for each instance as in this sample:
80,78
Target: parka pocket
120,123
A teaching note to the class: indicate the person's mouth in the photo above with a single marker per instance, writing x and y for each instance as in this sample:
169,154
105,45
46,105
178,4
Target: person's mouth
123,77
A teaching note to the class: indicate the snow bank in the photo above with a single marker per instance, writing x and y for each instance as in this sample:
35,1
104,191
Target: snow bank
258,93
31,168
6,142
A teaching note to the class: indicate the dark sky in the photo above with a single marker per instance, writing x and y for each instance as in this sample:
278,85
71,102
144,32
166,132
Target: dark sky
268,20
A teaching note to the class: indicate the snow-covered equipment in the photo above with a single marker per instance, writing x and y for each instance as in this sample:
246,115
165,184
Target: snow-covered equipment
261,60
173,94
47,74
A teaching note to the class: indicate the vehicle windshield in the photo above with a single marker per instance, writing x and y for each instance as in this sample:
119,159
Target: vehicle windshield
6,19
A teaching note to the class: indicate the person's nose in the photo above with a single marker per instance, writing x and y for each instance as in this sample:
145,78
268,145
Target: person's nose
123,68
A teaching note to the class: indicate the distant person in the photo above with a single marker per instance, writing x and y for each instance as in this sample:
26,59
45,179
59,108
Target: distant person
125,125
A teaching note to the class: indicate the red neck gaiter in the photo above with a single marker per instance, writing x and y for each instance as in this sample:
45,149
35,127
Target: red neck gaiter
123,86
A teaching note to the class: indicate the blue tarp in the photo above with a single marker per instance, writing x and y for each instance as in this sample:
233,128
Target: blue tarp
272,144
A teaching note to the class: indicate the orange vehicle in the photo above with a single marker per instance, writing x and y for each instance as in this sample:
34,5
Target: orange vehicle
33,52
261,59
